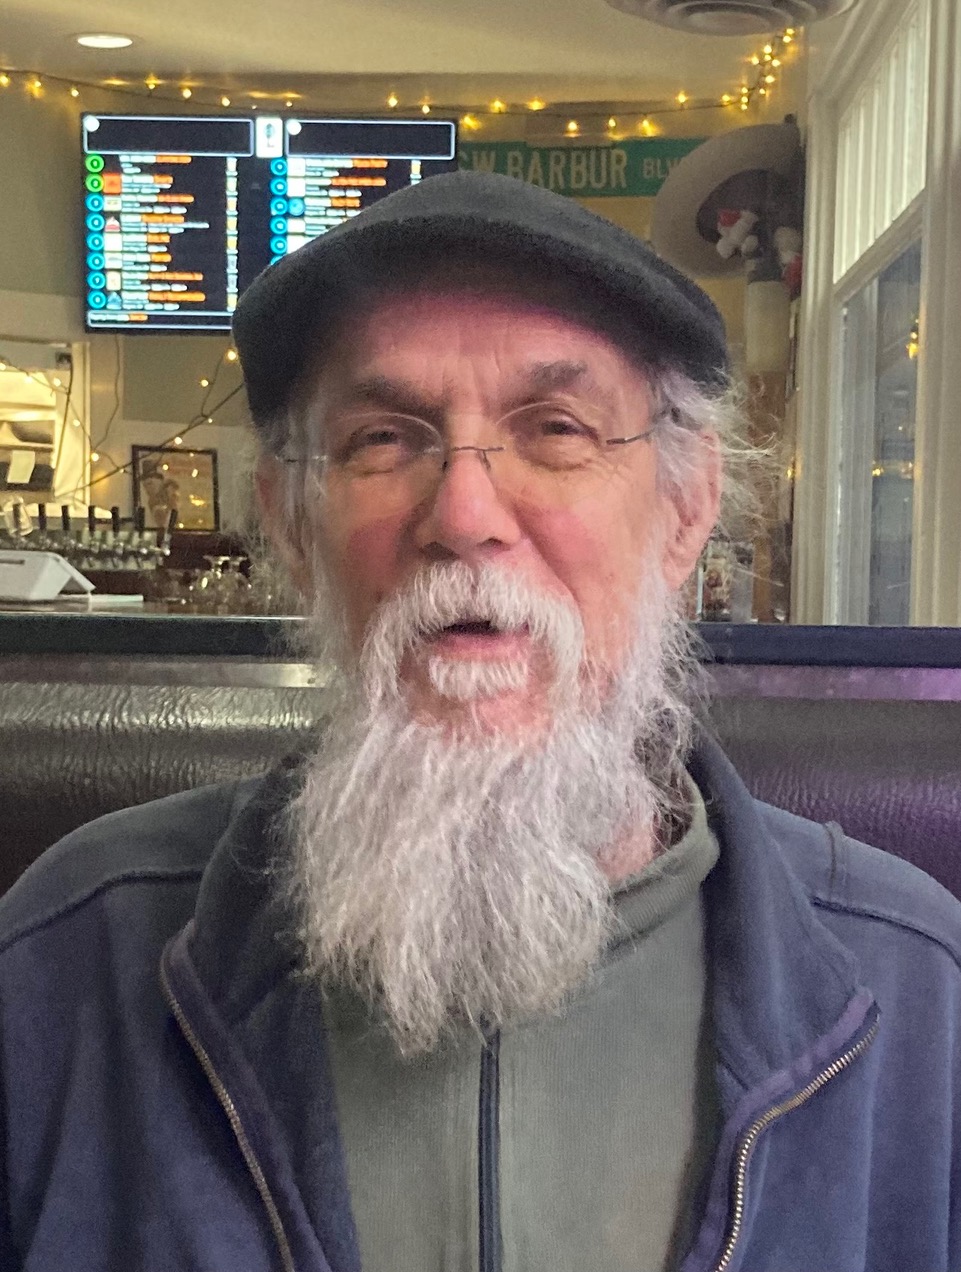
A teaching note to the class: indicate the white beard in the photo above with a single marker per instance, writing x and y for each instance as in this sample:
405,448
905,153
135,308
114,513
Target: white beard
458,879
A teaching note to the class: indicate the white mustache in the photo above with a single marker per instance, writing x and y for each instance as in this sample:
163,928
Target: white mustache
449,593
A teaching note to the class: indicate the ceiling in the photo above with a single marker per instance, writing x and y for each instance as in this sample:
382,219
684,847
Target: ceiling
459,51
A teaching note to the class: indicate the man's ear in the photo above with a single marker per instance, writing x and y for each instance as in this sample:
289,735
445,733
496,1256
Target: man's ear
279,522
693,513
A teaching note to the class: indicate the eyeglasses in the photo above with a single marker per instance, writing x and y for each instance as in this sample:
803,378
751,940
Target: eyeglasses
542,454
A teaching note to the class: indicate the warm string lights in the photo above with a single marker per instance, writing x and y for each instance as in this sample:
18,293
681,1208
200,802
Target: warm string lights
207,414
761,74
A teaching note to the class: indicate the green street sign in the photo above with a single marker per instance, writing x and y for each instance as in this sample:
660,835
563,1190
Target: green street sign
637,167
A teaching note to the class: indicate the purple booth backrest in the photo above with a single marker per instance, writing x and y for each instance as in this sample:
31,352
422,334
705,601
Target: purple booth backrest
888,772
71,749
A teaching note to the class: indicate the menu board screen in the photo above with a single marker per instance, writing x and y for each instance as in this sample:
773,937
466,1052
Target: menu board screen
181,212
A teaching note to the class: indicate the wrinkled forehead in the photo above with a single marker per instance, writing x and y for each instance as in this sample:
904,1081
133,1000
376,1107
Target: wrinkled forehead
529,325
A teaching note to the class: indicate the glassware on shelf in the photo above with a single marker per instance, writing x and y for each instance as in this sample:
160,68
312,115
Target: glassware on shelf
717,579
208,585
237,584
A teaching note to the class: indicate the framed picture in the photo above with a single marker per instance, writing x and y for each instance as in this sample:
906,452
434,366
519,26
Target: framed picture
170,479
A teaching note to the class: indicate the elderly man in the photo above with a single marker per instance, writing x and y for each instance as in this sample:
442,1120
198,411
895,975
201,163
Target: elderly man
510,974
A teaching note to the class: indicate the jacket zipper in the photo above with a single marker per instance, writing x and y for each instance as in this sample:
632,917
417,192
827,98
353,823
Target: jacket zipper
749,1142
488,1152
233,1117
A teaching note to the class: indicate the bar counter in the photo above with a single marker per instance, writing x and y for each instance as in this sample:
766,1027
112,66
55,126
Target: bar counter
63,642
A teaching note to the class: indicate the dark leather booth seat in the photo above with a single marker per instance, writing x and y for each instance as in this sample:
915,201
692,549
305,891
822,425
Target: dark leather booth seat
80,736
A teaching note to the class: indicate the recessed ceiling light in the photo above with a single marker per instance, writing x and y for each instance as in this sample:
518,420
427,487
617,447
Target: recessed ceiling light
103,41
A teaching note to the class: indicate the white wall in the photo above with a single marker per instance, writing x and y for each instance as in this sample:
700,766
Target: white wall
234,449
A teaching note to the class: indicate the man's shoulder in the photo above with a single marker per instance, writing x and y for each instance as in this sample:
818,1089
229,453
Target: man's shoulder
167,840
862,885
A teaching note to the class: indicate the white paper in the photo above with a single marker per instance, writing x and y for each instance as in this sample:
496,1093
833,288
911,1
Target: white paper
21,467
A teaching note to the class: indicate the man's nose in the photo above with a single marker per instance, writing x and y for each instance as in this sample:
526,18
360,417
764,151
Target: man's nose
468,514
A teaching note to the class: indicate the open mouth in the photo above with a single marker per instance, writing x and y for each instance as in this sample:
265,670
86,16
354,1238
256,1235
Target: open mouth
476,633
471,627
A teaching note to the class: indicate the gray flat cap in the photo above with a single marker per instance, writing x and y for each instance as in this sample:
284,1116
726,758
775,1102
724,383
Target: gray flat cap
303,298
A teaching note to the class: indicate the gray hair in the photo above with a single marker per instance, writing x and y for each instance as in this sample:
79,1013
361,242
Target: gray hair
686,413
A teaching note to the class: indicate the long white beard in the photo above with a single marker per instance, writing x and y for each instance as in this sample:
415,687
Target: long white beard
455,879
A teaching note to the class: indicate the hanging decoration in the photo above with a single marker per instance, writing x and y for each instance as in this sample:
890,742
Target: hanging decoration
761,74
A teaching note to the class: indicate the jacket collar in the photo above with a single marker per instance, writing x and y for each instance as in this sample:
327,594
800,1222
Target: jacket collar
780,980
786,993
784,990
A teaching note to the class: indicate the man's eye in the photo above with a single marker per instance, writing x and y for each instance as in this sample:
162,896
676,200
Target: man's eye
562,426
366,441
378,437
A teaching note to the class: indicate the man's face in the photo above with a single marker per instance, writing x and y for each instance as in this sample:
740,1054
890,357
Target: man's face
463,359
461,872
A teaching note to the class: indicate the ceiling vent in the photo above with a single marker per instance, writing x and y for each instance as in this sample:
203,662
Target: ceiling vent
732,17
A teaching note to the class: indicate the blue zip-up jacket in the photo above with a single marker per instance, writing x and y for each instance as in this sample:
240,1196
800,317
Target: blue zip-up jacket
167,1106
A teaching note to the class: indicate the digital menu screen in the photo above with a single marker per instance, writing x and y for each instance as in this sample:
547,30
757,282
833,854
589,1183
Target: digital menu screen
181,213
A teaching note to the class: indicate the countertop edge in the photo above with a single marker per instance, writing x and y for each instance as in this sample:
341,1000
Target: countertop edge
154,635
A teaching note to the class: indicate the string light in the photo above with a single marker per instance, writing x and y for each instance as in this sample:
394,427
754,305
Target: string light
95,455
204,383
231,355
913,346
766,63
